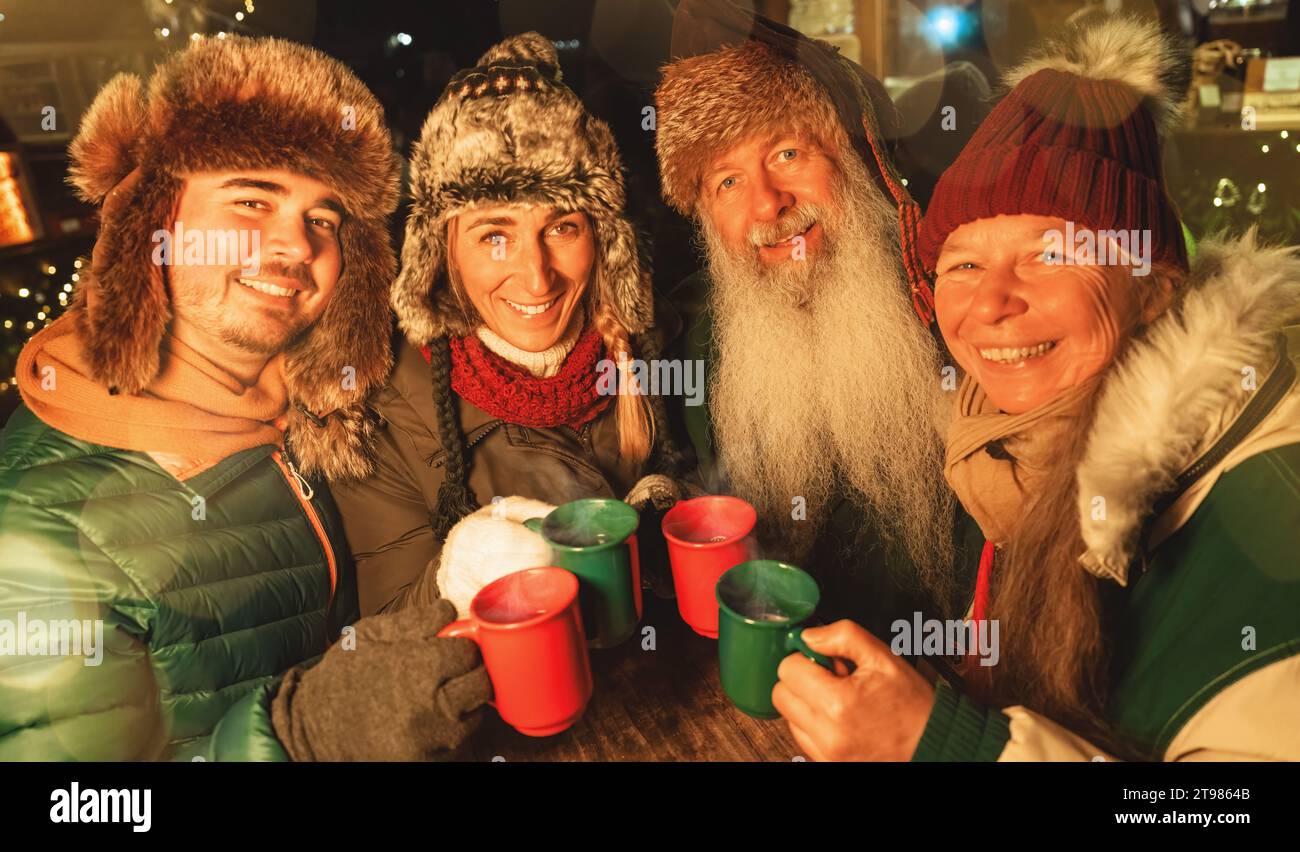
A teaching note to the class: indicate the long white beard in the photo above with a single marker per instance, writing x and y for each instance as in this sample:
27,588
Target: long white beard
828,384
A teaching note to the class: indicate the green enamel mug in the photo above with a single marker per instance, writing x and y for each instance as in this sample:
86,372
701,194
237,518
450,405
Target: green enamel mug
596,540
763,606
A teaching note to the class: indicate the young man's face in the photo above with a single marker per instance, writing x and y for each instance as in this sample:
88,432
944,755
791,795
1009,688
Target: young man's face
763,193
288,227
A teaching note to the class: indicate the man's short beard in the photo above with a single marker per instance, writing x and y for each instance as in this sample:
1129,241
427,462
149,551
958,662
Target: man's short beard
828,384
261,342
201,306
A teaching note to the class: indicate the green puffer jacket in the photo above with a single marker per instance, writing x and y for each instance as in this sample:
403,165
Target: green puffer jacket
207,590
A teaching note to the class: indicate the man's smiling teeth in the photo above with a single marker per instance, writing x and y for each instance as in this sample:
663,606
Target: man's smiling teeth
530,310
1015,355
787,240
269,289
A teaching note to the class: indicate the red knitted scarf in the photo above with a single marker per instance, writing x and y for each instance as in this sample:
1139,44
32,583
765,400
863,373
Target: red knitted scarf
511,393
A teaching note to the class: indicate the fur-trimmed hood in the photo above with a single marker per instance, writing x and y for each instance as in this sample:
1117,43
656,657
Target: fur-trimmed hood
1178,387
229,104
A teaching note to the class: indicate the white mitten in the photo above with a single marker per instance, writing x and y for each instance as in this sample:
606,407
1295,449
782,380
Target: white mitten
487,545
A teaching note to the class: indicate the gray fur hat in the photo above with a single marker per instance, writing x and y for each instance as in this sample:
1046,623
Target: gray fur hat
507,131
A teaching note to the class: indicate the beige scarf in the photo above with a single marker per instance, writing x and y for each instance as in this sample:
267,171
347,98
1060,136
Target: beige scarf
192,410
994,483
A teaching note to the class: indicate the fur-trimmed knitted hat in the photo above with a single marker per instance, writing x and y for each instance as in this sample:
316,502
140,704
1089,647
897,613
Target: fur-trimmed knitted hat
508,131
737,74
1077,137
229,104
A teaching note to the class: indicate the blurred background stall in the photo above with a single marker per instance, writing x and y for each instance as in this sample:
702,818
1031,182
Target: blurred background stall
1234,164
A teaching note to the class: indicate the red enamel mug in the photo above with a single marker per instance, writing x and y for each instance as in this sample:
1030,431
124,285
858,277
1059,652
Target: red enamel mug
706,536
529,630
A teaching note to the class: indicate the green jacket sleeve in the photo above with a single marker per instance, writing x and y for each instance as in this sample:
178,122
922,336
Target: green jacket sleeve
959,730
56,587
245,733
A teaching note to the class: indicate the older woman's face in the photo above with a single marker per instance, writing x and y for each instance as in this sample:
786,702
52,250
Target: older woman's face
524,269
1025,328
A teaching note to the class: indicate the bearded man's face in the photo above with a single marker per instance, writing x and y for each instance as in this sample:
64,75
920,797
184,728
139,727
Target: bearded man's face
826,383
767,199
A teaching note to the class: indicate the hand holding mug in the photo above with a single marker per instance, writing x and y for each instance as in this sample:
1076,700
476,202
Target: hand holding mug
762,608
488,544
876,713
595,538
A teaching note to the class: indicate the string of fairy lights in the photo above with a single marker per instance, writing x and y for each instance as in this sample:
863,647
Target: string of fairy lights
240,16
48,295
1227,194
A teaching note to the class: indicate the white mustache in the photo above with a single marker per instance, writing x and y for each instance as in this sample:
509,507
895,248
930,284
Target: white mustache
799,219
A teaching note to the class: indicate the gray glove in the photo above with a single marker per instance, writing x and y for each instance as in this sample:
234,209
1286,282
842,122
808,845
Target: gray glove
661,491
652,496
402,693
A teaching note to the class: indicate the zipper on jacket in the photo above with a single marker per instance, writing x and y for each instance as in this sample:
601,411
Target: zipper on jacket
300,487
482,432
304,487
485,431
585,437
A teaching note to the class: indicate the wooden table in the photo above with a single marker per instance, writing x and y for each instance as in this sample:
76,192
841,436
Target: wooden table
661,704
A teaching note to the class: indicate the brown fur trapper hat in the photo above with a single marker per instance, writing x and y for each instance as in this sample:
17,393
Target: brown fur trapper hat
508,131
229,104
706,104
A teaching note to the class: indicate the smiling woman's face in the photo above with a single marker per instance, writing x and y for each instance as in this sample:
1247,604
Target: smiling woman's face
1026,329
524,269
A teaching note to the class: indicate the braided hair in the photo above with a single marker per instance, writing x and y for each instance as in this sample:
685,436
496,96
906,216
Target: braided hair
455,500
636,430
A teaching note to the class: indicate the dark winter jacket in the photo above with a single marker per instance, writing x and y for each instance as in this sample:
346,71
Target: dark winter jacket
387,515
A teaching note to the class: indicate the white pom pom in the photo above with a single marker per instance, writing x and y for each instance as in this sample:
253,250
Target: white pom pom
1128,50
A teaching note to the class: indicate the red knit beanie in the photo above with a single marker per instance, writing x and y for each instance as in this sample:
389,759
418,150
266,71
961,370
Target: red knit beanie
1078,137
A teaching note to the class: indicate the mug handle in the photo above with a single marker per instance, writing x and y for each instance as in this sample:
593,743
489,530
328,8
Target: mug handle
636,572
465,628
794,642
